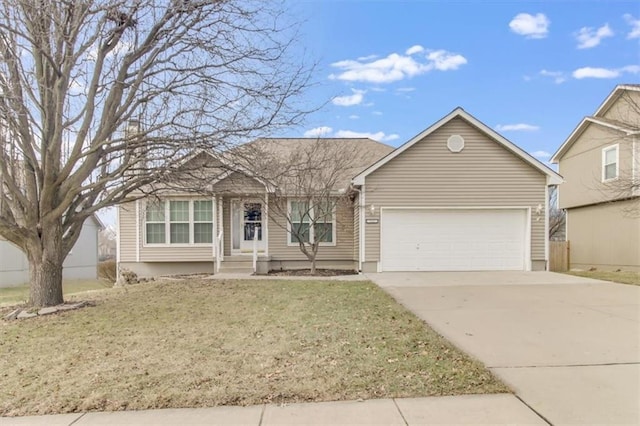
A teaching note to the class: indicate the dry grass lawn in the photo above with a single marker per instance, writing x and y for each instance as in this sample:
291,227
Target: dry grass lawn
20,294
203,343
624,277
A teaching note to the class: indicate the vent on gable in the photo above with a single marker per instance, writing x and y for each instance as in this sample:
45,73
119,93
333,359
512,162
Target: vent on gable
455,143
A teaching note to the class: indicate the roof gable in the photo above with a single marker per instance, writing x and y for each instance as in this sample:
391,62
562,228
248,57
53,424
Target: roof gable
599,119
553,177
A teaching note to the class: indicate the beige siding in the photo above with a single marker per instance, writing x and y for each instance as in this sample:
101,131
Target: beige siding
343,250
612,244
626,109
237,183
484,174
127,232
581,167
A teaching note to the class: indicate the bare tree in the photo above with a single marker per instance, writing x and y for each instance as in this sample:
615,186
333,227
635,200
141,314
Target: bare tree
312,183
557,217
189,74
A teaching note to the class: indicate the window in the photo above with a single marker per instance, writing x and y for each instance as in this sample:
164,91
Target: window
179,222
203,222
155,223
300,221
610,163
316,223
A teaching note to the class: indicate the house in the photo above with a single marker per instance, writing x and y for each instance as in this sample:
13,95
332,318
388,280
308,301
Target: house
600,162
81,262
458,196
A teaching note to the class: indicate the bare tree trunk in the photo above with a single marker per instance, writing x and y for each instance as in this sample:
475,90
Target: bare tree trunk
45,270
46,282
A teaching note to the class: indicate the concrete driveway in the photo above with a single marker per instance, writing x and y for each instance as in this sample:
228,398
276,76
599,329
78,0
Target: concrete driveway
569,347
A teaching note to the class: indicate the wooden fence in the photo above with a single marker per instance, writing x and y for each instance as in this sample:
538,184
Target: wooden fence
559,256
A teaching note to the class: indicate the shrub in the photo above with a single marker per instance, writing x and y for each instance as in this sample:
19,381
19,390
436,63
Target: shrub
107,270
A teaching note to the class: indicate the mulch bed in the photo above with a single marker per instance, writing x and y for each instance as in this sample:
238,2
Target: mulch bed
307,272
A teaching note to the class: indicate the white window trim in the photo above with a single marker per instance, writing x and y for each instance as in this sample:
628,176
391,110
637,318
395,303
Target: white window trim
333,242
167,225
604,154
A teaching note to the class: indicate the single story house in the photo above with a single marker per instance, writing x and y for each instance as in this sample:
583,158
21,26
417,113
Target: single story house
456,197
81,263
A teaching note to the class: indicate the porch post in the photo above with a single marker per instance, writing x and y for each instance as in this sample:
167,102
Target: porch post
221,222
265,232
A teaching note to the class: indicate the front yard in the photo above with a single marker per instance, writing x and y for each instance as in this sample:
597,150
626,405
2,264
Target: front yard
198,343
20,294
624,277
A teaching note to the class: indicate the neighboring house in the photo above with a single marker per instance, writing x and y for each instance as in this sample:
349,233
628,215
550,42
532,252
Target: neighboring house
456,197
81,263
600,162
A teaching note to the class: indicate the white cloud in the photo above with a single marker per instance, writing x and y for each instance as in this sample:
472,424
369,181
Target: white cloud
519,127
322,131
530,26
367,58
396,66
378,136
354,117
557,76
445,61
590,72
377,113
414,49
588,37
405,89
635,26
541,154
350,100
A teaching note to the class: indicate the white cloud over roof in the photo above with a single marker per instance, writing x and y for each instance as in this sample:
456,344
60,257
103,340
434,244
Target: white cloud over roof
589,37
397,66
541,154
598,72
350,100
519,127
635,26
530,26
377,136
557,76
318,132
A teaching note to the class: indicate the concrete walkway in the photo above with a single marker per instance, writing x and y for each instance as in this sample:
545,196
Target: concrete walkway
568,346
469,409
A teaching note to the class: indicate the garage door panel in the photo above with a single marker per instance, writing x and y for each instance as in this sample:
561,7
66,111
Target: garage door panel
453,240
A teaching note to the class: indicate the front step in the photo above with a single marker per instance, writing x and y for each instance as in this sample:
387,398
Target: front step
236,265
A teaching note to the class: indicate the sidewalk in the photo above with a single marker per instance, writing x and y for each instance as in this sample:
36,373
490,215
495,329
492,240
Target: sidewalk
466,409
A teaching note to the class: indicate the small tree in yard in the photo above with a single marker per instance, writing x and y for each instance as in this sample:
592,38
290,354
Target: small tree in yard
312,181
557,217
191,74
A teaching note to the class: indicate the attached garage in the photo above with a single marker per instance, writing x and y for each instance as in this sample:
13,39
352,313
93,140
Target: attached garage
467,239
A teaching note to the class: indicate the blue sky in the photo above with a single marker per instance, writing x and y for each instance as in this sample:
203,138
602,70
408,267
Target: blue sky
530,70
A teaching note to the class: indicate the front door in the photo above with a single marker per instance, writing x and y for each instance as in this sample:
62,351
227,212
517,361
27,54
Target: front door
247,221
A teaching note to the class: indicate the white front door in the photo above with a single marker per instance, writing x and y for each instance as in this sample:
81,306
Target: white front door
247,220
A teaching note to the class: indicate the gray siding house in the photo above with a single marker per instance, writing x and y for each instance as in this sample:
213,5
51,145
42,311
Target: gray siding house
600,162
81,263
457,197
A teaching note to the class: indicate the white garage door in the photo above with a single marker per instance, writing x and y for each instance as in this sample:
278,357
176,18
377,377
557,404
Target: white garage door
453,240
